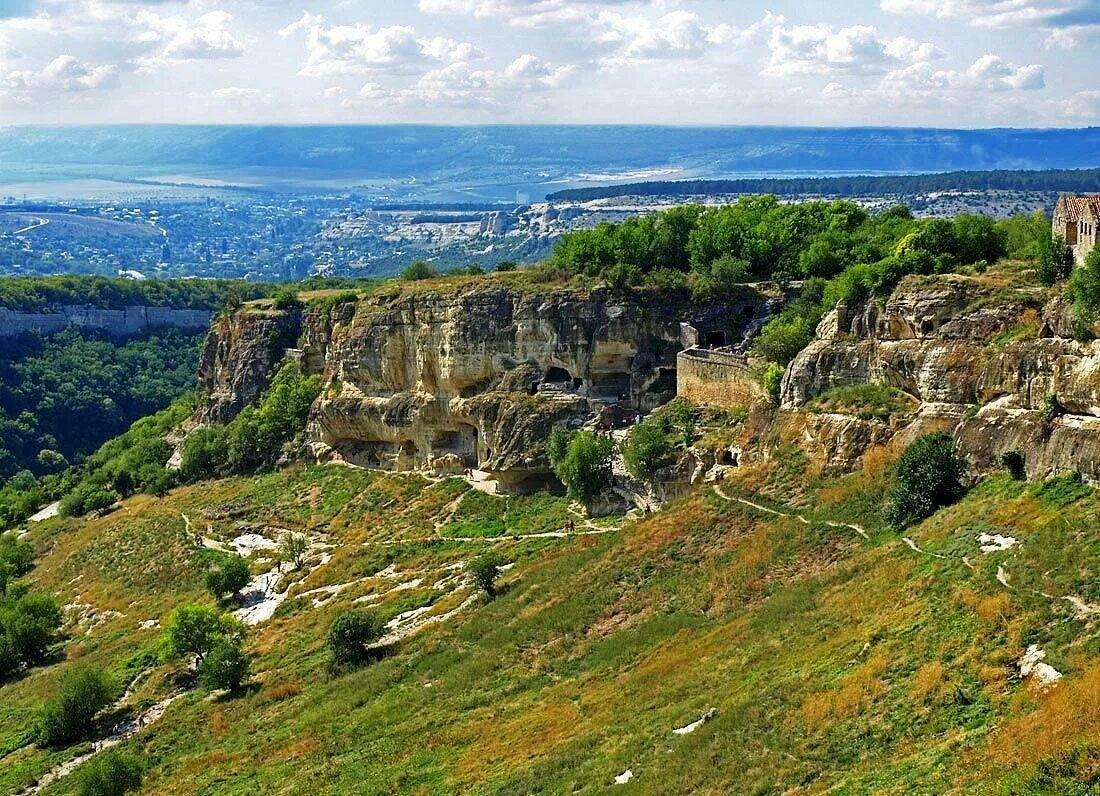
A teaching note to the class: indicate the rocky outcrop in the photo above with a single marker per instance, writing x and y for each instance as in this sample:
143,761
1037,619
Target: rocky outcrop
239,357
988,359
117,322
417,378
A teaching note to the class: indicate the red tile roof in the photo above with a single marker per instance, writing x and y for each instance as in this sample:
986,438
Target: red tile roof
1077,207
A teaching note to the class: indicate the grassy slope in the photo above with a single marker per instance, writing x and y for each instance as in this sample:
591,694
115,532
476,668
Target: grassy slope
835,664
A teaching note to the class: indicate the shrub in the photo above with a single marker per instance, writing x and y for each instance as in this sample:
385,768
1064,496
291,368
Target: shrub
286,299
204,453
69,715
418,271
585,465
928,476
773,380
1052,409
1084,290
197,629
86,498
28,624
225,667
292,549
351,635
506,266
684,416
647,448
229,577
113,773
485,569
16,558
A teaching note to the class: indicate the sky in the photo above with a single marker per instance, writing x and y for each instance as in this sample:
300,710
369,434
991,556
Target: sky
950,63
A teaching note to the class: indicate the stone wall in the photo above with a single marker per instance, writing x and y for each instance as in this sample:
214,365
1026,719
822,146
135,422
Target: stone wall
118,322
717,378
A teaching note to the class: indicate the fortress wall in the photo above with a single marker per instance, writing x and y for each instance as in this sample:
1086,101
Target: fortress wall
717,378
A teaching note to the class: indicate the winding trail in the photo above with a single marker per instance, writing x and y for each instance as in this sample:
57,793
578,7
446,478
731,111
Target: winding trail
776,513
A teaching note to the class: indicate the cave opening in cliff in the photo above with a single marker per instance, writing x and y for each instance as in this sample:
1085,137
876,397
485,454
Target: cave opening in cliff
716,339
557,375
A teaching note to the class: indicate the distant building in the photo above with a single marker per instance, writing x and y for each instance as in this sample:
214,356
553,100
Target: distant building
1076,219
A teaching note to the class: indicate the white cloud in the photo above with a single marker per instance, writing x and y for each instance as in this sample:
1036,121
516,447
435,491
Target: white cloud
859,49
239,93
986,74
1067,22
1084,105
462,85
176,40
63,74
360,49
522,13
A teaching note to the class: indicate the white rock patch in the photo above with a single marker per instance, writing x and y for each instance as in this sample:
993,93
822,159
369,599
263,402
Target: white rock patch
687,729
624,777
995,543
1032,665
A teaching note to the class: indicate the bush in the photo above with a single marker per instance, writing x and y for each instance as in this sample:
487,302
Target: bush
647,448
204,453
16,559
292,549
198,629
229,577
86,498
585,464
112,773
28,626
485,569
225,667
1084,291
69,716
286,299
505,266
928,476
351,635
773,380
418,271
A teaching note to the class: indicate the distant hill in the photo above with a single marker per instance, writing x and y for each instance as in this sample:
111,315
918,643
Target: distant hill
1069,180
400,163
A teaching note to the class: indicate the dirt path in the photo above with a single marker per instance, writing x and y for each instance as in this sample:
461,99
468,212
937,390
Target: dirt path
123,731
776,513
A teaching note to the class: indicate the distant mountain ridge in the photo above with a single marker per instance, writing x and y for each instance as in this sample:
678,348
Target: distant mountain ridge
1067,180
495,163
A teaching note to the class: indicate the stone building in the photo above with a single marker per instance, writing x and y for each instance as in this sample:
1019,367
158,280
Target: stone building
1076,219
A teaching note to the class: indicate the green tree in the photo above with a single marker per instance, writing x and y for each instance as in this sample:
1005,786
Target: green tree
1084,290
228,577
113,773
69,716
485,569
927,477
647,448
16,559
197,629
226,666
352,636
293,548
204,453
418,271
585,467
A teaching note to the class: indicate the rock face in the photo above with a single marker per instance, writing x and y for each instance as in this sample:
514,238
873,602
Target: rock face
422,379
119,322
991,361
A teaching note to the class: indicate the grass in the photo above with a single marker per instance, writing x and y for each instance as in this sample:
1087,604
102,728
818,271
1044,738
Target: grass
865,401
834,663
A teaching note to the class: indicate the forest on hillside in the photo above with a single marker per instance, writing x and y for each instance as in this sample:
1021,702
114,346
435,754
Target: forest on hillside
1055,180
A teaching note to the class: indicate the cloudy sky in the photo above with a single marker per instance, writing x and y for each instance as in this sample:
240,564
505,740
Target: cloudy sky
965,63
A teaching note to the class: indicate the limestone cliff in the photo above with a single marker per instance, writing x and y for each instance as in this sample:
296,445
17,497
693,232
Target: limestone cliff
987,357
475,375
118,322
